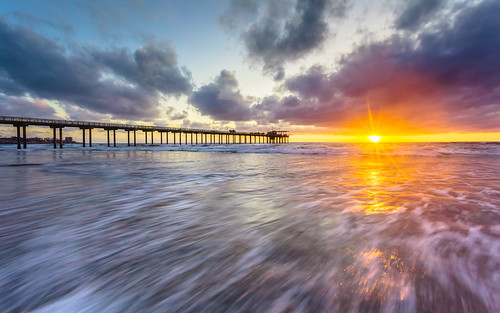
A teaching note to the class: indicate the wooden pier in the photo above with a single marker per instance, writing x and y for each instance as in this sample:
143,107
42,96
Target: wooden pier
201,136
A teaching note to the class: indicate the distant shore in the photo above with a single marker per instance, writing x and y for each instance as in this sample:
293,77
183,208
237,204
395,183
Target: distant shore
35,140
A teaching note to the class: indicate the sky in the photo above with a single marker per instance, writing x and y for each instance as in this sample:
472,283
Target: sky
326,70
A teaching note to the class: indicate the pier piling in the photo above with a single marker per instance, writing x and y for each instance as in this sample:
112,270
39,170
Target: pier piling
19,137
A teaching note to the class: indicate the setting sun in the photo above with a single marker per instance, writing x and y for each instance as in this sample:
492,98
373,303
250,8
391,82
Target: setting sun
374,138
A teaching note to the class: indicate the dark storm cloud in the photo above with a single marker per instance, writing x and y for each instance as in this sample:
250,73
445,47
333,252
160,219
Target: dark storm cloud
465,54
222,99
283,34
33,65
313,83
448,78
150,67
416,12
10,87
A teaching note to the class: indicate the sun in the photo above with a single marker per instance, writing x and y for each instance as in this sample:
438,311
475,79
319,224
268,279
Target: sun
374,138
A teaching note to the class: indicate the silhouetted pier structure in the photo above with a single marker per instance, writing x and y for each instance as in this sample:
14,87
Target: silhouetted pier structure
201,136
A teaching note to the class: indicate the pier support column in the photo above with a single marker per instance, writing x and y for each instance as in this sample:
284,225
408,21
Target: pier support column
186,138
161,138
166,138
191,138
83,137
145,137
18,137
114,137
24,137
54,137
128,138
107,130
152,139
90,137
135,142
60,138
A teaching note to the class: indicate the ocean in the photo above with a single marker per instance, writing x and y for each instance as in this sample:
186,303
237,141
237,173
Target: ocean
251,228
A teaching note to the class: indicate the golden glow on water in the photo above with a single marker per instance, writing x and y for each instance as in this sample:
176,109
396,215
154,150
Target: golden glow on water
378,175
375,198
377,204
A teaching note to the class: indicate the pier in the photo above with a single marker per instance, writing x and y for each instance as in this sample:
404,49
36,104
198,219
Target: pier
191,136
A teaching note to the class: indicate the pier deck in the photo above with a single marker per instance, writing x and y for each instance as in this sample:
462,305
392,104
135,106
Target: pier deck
206,136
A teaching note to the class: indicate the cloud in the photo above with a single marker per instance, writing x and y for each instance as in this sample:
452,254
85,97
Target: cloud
239,10
283,34
313,83
16,106
222,99
107,82
173,114
77,113
36,22
150,67
447,78
415,12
